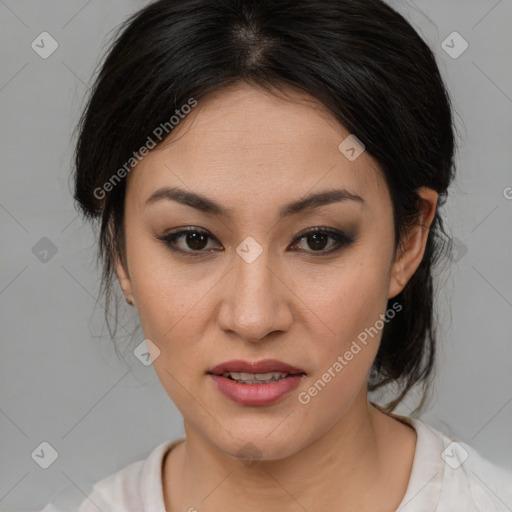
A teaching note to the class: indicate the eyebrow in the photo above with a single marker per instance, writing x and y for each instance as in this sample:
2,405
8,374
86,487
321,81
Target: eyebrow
206,205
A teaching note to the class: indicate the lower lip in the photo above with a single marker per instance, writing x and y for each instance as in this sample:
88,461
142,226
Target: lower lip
256,394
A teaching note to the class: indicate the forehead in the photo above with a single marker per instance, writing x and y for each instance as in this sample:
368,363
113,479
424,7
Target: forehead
248,141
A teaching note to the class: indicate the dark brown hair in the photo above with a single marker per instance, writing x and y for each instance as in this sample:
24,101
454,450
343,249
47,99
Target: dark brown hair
360,58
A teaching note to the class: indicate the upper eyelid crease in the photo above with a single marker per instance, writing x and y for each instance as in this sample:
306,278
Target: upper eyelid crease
206,205
340,237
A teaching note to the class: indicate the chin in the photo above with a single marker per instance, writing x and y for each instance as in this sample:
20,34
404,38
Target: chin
259,445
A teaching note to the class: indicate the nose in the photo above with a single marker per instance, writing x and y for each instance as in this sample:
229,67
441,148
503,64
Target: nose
256,302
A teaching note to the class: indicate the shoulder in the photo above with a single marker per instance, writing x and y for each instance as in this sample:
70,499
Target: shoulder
136,487
120,488
488,486
452,476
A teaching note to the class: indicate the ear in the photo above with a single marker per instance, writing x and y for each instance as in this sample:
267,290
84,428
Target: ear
123,277
410,253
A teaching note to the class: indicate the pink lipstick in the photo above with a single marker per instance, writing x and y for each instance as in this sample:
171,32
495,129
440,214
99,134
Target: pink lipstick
256,383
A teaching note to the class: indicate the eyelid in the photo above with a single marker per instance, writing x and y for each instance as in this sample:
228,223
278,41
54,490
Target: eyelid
168,238
341,238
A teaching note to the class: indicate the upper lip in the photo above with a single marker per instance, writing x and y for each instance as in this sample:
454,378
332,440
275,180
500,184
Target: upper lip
264,366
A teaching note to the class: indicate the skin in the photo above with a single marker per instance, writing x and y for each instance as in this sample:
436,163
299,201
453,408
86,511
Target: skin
253,152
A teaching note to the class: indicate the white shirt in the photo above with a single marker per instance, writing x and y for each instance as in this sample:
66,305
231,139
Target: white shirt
447,476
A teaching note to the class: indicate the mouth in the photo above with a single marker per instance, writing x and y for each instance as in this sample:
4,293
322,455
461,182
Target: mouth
255,378
246,372
256,383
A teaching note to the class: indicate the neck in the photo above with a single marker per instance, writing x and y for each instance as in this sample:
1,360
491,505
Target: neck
348,467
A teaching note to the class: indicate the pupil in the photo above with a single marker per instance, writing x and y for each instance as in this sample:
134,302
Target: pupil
196,240
316,237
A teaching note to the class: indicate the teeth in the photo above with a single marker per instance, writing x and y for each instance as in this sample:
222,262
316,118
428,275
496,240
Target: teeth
255,378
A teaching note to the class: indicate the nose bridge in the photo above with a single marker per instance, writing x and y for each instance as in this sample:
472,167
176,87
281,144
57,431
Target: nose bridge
253,306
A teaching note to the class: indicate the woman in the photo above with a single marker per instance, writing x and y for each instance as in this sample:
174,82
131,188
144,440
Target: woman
267,177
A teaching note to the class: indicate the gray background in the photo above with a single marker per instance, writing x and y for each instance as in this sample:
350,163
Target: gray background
61,381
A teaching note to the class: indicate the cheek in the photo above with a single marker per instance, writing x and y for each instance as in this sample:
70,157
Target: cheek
351,298
172,306
351,305
168,293
171,313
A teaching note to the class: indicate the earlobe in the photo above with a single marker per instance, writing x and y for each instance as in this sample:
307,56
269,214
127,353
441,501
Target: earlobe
124,281
411,251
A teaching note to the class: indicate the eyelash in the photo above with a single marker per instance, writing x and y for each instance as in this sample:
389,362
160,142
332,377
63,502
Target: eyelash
341,239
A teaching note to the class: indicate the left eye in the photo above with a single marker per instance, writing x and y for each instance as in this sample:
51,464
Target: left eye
317,239
196,241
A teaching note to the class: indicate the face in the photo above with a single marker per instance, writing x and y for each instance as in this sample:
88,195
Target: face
251,280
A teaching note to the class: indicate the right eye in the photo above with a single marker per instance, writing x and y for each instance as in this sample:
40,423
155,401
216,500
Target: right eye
195,239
